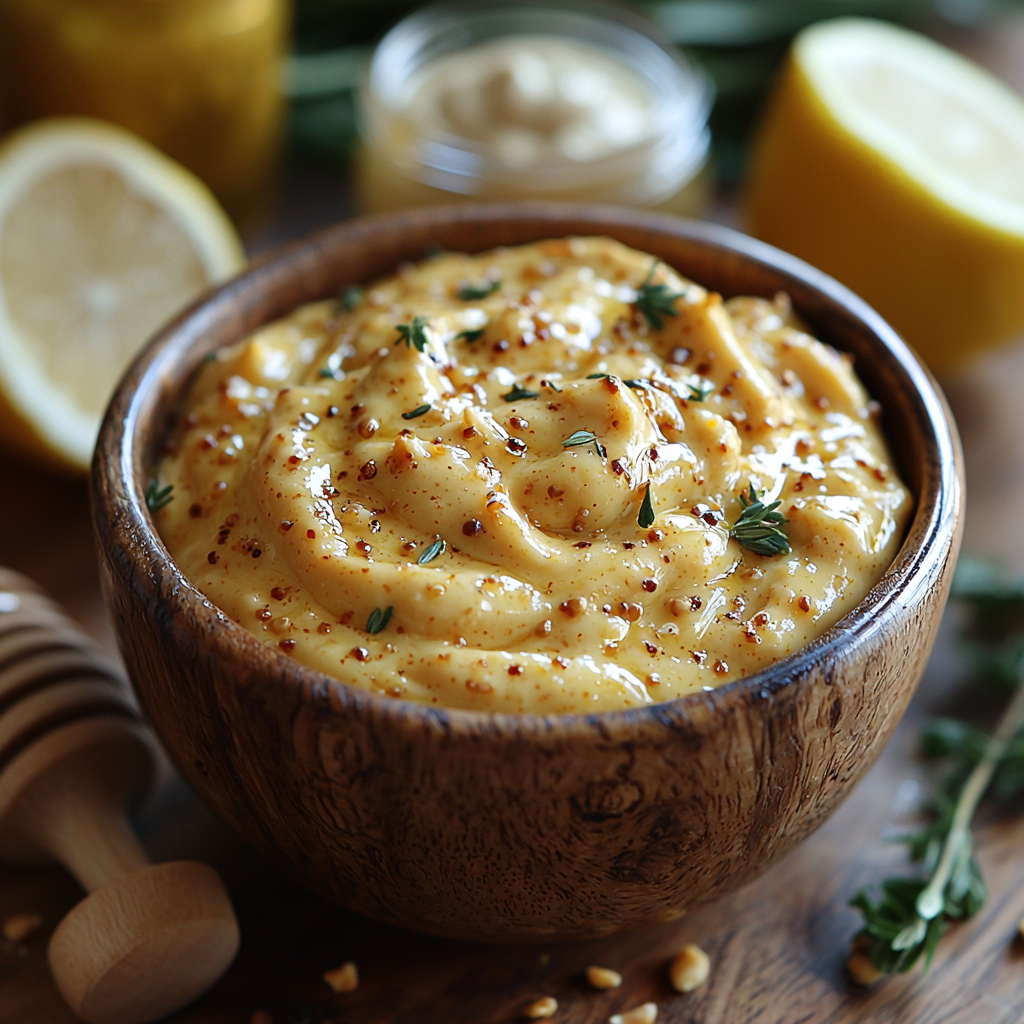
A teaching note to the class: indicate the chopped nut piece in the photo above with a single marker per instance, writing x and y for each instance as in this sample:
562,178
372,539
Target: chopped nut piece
543,1007
646,1013
344,978
861,970
603,977
18,927
689,969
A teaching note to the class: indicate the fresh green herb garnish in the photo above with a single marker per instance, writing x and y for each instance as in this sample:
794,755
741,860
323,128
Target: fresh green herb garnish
904,924
700,391
470,291
349,298
470,336
913,913
414,334
630,382
581,437
655,301
418,411
328,373
759,527
646,515
379,618
429,554
548,384
157,497
517,394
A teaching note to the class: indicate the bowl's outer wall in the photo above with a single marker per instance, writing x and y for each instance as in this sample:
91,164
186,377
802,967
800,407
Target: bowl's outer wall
519,827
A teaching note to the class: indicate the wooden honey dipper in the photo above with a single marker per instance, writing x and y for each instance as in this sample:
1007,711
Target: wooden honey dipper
74,760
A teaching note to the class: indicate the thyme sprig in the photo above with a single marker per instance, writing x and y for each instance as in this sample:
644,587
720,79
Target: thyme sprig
439,547
646,515
904,925
700,391
581,437
518,393
414,334
656,301
158,497
379,618
471,290
631,382
913,913
350,298
759,527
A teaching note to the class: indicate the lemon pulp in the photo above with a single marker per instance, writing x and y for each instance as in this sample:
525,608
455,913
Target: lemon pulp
102,240
898,166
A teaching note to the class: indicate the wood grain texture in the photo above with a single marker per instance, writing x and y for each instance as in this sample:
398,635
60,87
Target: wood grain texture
74,760
519,827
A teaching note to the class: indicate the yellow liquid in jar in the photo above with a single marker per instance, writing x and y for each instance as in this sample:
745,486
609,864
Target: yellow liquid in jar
200,79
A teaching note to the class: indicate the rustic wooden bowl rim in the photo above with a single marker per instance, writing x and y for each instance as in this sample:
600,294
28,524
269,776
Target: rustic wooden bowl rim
117,480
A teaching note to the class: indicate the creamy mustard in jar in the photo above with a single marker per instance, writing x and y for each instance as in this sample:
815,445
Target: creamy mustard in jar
508,101
551,478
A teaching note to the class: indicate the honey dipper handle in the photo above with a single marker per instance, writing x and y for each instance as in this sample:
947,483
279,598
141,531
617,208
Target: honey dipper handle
66,797
83,825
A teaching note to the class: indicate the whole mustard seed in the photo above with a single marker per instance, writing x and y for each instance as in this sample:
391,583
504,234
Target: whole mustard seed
18,927
603,977
645,1013
689,968
344,978
541,1008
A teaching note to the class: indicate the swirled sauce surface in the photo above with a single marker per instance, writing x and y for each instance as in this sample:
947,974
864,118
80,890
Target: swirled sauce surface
509,481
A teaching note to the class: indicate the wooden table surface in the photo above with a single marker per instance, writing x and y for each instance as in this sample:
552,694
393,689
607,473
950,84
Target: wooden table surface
777,947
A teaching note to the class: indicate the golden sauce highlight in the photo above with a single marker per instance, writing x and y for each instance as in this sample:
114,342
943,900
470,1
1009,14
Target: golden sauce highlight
508,482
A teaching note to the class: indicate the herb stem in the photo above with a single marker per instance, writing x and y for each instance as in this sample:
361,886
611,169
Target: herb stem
930,902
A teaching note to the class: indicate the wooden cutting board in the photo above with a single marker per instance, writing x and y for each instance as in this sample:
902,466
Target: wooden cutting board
777,948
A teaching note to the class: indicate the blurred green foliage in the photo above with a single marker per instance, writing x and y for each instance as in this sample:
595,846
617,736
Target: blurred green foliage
740,43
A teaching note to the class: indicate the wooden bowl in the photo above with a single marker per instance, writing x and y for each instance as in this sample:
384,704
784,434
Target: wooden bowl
503,827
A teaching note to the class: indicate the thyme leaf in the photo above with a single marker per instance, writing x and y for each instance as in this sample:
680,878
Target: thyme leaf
429,554
581,437
414,334
418,411
470,291
699,392
655,301
759,527
470,336
518,393
630,382
646,515
548,384
350,298
379,618
157,497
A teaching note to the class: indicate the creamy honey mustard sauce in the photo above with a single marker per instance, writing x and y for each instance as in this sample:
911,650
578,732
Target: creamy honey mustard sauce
431,496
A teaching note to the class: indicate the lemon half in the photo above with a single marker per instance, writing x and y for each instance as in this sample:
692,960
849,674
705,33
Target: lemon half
102,240
897,166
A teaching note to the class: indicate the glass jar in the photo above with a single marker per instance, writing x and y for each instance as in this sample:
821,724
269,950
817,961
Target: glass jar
200,79
405,159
